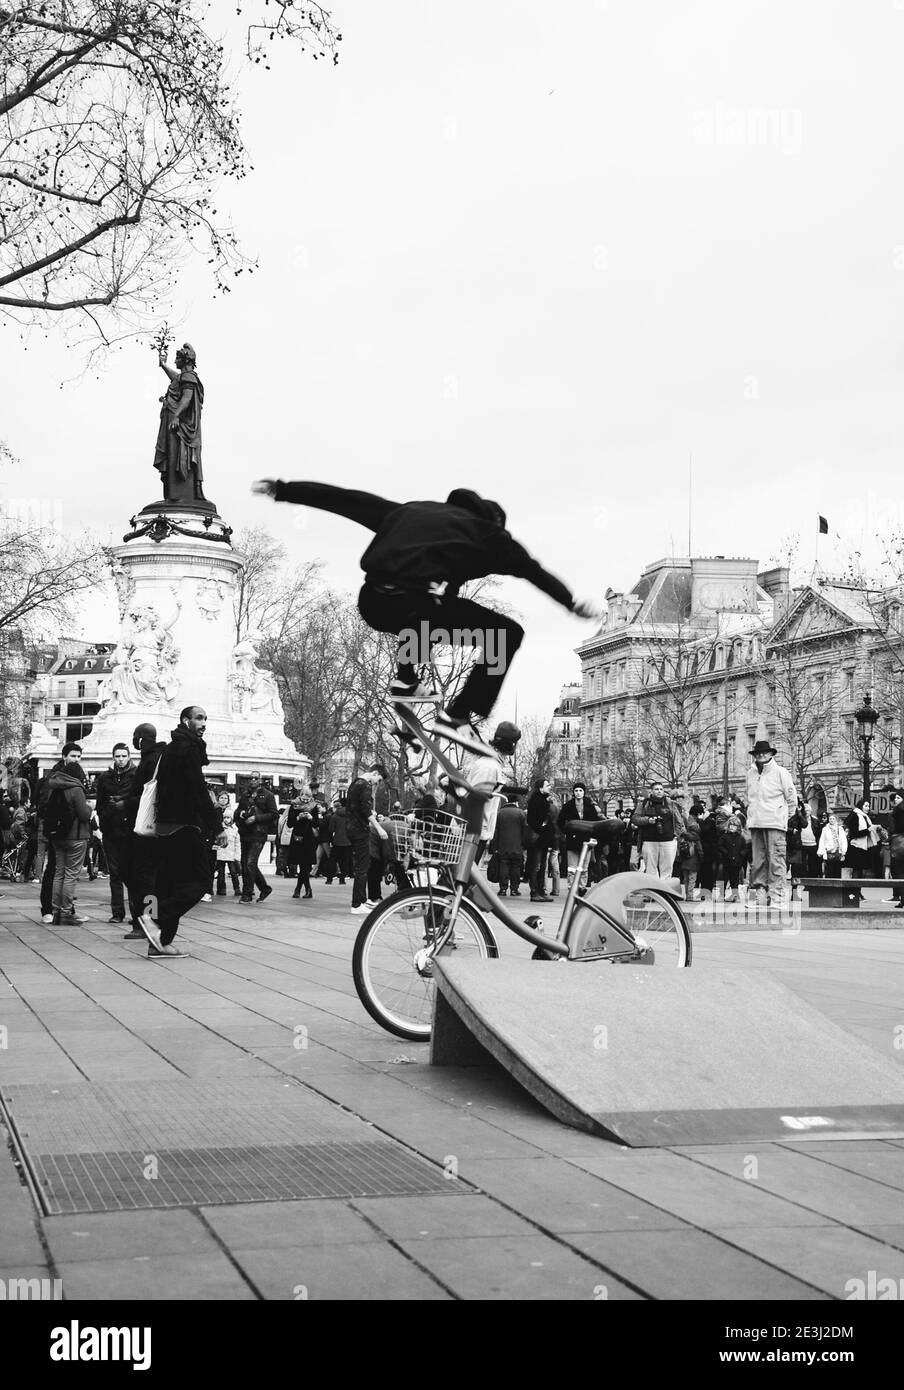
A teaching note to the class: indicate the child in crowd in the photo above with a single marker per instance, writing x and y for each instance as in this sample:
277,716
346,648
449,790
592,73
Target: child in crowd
229,854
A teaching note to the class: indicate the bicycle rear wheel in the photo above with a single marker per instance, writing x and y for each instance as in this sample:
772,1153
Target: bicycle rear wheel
657,924
388,966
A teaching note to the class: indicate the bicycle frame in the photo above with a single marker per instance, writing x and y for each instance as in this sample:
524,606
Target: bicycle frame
466,873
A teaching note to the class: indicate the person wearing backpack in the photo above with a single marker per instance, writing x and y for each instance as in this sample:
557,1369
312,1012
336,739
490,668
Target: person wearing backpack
66,825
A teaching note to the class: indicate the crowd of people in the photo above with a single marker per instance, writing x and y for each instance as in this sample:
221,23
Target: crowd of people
165,840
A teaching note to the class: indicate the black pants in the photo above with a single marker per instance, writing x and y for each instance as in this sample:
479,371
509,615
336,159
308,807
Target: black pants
222,866
361,861
143,869
47,880
833,868
338,863
251,874
375,880
537,855
183,877
499,637
119,853
304,877
510,866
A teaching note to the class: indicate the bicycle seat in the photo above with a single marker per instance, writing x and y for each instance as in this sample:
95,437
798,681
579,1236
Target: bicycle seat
585,829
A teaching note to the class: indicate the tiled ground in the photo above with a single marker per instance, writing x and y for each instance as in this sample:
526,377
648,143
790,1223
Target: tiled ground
533,1210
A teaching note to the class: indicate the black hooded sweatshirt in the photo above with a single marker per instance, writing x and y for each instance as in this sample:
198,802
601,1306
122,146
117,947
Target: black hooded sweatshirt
419,543
182,795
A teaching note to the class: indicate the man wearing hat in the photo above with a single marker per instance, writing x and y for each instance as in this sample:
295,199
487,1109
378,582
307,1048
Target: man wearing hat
771,798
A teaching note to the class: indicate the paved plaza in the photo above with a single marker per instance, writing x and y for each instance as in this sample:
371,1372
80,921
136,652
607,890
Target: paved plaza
169,1107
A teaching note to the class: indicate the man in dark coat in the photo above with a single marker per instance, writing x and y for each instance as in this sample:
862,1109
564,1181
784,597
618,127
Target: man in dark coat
360,819
256,816
509,840
186,818
541,834
143,856
115,818
420,556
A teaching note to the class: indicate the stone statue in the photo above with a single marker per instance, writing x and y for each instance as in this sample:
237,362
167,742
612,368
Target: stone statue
177,456
254,692
143,672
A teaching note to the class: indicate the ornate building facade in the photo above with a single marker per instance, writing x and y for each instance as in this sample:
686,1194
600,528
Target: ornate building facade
704,656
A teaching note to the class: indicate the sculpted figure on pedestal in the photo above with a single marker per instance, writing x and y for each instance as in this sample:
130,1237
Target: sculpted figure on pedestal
252,691
177,456
144,664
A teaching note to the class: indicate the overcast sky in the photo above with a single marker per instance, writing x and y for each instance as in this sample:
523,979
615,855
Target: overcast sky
547,253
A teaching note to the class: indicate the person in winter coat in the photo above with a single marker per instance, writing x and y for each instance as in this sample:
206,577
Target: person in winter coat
256,816
660,822
771,799
338,864
861,835
418,547
68,802
689,854
578,807
833,847
734,853
896,842
114,802
229,857
144,848
186,819
541,834
508,845
303,820
709,850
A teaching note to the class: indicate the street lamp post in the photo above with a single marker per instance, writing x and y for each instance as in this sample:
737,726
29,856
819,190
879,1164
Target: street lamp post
866,718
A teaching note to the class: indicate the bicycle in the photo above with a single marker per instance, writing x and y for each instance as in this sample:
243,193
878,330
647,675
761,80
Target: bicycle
12,861
629,918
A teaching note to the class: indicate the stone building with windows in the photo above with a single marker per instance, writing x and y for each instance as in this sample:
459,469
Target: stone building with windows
561,753
705,655
66,680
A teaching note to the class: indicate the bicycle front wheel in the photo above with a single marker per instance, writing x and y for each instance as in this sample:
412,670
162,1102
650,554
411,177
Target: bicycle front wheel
392,975
657,924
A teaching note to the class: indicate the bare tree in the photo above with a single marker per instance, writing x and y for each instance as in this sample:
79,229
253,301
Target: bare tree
43,572
806,702
679,716
117,123
271,598
629,768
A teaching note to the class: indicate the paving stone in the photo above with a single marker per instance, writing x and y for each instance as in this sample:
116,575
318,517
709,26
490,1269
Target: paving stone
174,1278
561,1198
457,1213
362,1273
505,1267
272,1225
682,1186
821,1188
118,1235
690,1265
827,1256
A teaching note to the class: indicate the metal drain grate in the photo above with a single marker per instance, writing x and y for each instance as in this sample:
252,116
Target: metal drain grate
173,1144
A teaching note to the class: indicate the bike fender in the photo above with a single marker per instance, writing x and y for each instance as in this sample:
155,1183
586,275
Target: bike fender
609,893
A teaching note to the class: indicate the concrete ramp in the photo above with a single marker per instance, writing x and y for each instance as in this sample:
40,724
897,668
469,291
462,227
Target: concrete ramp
651,1057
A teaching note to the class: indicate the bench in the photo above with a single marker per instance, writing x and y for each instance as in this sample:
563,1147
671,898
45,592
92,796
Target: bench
846,892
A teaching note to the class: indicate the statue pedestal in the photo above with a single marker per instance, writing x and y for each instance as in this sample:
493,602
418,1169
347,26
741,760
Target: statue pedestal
177,647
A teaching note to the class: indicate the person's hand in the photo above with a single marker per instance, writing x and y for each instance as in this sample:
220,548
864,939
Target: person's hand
586,608
382,833
174,423
266,486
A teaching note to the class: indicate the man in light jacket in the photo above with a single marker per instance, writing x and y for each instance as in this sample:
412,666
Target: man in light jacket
771,799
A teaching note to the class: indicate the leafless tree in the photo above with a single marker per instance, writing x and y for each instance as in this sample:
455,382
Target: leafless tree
271,597
679,717
117,124
805,705
629,768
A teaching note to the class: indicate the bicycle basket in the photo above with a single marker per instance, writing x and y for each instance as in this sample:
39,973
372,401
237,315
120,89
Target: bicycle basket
437,838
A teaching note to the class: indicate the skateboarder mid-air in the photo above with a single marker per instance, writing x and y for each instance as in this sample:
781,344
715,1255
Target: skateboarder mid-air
420,555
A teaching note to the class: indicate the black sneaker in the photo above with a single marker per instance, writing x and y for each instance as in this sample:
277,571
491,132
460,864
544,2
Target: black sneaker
264,893
460,731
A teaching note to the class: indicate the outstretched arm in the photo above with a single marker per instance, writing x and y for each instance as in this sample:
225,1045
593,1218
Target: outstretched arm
516,560
364,507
